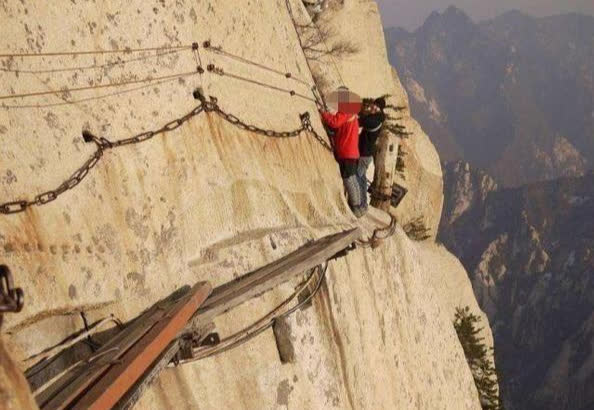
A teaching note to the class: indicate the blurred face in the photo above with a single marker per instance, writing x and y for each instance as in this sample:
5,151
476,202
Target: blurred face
344,101
370,108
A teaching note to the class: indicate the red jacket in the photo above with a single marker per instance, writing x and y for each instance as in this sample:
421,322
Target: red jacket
346,140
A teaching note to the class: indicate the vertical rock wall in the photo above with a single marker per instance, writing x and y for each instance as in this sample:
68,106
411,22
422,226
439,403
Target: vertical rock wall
210,202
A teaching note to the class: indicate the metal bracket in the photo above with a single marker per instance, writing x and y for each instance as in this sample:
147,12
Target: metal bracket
343,252
11,299
212,339
196,337
398,194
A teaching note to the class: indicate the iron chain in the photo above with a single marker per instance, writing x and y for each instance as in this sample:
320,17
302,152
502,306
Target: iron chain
379,234
104,144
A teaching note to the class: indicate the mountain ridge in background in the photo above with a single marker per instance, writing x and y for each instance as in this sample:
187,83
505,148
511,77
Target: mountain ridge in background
212,200
508,103
512,95
529,255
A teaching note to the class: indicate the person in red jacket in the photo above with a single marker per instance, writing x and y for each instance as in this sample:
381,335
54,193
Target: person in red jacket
346,150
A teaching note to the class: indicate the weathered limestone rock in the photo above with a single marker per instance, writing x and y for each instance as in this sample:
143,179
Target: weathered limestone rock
14,390
379,336
209,201
422,175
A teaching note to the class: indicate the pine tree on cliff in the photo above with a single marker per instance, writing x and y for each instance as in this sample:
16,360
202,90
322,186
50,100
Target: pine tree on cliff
479,358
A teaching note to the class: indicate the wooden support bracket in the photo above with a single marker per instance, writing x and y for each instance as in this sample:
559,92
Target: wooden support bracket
126,358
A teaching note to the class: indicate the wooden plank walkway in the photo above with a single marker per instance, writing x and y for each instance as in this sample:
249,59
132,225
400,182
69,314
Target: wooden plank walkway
133,364
122,360
234,293
121,370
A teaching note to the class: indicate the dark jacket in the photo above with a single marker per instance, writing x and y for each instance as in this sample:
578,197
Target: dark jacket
372,125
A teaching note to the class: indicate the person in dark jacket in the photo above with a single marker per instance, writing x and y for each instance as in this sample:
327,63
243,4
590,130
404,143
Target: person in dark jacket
371,121
346,152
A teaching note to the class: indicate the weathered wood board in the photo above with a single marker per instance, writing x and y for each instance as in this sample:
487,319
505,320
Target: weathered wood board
232,294
126,364
125,358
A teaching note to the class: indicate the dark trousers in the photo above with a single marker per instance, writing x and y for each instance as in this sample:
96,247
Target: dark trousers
350,179
364,163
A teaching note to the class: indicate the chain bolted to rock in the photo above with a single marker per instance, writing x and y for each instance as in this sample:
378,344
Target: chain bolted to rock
103,144
306,126
379,235
208,106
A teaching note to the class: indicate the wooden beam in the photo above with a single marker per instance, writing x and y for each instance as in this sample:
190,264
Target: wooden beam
69,386
284,344
123,375
230,295
134,394
385,166
126,364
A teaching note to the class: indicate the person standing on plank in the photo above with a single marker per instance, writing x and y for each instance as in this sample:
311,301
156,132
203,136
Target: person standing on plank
371,121
345,122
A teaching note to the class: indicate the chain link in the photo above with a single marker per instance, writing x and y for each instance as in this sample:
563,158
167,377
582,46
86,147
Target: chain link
306,120
13,207
232,119
379,234
104,144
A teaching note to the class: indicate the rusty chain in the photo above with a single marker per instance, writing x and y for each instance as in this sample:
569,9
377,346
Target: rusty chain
11,298
305,118
104,144
379,234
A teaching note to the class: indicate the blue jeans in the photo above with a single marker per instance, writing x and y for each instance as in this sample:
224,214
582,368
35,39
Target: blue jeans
364,163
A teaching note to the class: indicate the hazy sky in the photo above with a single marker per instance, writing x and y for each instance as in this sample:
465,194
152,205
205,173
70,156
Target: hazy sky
410,14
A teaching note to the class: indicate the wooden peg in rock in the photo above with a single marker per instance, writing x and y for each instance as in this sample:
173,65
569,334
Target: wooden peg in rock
385,168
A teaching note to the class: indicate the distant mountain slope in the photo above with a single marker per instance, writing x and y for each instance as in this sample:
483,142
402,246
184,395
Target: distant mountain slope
530,255
513,95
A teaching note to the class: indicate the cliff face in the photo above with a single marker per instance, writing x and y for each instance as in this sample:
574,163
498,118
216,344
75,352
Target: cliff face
14,391
529,255
209,201
512,95
467,188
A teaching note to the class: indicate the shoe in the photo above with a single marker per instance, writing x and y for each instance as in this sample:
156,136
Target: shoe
359,212
364,210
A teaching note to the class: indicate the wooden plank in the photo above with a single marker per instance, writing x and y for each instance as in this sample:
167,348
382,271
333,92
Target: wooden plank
223,298
71,385
274,274
117,381
282,270
245,281
385,159
52,396
223,290
134,394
